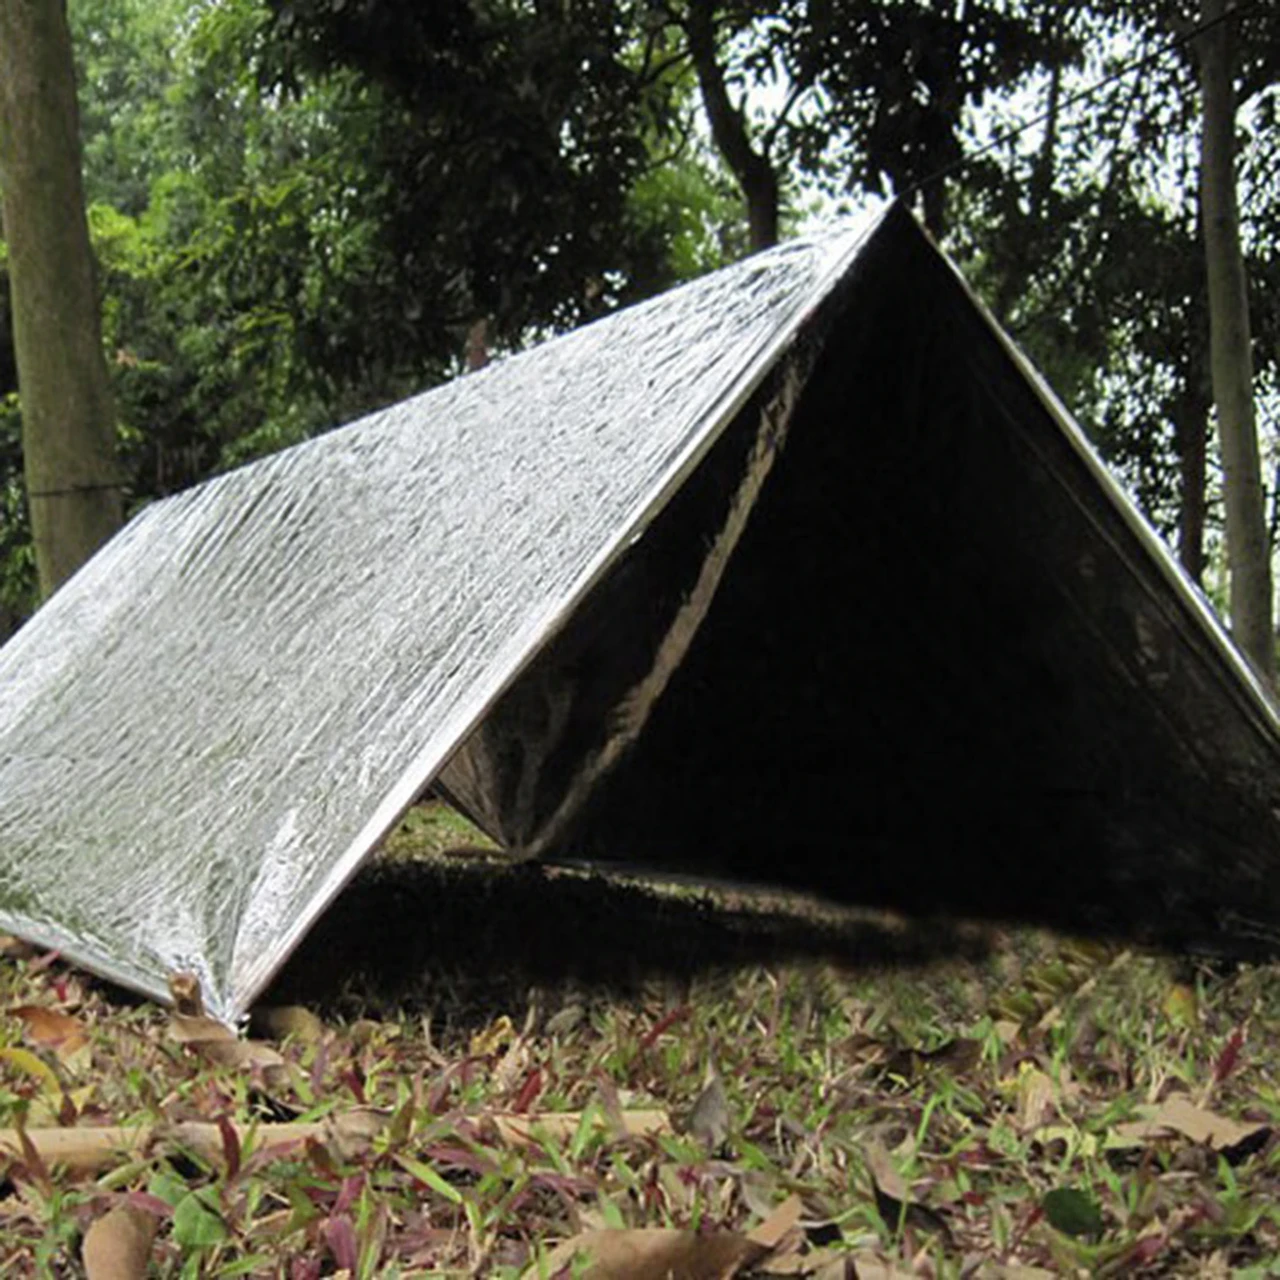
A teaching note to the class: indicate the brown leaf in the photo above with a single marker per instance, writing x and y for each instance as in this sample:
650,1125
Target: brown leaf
217,1043
709,1119
279,1022
862,1266
62,1033
350,1133
184,991
510,1067
881,1168
245,1054
195,1028
893,1202
770,1233
1016,1271
813,1264
650,1253
1007,1030
1178,1114
524,1129
565,1020
117,1245
1036,1098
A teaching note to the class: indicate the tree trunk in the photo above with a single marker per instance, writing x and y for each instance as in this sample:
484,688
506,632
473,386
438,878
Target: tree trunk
754,172
1230,351
1190,421
1043,174
68,422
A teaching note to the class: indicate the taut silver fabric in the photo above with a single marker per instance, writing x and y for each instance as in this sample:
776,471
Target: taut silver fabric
205,732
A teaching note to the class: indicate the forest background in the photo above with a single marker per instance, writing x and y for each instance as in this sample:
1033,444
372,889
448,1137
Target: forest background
303,209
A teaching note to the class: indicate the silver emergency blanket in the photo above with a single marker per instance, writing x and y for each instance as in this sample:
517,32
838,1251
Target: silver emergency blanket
796,574
206,731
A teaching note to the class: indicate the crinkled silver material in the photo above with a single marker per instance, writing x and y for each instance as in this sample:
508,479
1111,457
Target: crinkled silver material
205,732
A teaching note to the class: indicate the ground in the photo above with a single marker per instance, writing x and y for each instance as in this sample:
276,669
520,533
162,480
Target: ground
469,1064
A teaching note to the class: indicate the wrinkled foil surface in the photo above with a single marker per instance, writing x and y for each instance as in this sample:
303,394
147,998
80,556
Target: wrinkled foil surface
205,732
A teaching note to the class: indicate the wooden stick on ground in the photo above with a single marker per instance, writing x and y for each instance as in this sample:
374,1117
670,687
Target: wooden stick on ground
90,1148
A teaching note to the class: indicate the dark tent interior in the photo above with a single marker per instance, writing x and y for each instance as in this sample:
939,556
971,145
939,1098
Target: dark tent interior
941,671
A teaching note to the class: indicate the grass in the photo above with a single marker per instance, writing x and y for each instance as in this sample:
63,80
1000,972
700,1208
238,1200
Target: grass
943,1099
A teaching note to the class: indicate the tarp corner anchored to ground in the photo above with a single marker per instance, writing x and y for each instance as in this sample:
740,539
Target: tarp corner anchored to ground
796,574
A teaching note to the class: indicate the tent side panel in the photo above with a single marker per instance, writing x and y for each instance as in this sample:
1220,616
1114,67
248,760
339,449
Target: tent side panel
580,705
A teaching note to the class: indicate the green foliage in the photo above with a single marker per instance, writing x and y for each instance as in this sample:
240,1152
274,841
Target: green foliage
17,555
301,207
1073,1212
288,238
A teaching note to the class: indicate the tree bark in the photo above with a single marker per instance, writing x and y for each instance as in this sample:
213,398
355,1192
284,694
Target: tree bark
1230,349
68,421
1190,421
752,169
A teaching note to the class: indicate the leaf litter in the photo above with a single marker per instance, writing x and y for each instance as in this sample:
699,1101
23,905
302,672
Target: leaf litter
715,1086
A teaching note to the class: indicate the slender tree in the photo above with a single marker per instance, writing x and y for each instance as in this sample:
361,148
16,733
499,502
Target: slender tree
68,424
1230,345
750,165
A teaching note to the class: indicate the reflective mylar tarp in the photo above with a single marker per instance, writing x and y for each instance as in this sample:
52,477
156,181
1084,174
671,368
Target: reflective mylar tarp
795,574
207,729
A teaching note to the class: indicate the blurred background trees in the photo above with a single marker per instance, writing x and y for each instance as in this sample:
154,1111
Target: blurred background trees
301,209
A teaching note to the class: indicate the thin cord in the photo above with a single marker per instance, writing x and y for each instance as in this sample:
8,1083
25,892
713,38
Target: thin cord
1082,95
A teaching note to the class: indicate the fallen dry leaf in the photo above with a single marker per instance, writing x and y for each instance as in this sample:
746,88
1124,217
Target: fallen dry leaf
893,1200
184,991
117,1245
775,1228
511,1067
238,1053
51,1029
1036,1098
217,1043
1178,1114
881,1167
1007,1030
813,1264
495,1037
281,1022
1014,1271
524,1129
709,1119
865,1266
195,1028
650,1253
12,948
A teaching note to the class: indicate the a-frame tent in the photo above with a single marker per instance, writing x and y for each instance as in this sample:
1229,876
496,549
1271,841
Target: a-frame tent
796,574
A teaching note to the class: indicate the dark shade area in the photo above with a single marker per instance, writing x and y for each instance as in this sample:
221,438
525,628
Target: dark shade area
461,938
